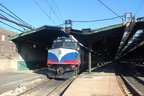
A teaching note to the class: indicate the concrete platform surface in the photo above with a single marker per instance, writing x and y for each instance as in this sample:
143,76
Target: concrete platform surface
20,81
101,82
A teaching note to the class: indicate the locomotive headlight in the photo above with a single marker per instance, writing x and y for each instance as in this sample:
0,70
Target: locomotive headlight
49,64
72,66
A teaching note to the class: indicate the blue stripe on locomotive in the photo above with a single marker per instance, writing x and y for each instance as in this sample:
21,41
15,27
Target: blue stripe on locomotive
52,56
69,56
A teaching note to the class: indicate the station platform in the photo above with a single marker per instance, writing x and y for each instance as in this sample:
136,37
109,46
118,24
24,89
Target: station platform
15,82
100,82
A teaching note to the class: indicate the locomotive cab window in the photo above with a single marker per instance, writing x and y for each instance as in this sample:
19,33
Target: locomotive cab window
57,45
64,43
71,45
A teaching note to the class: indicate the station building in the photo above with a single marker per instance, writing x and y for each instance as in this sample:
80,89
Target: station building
24,55
8,50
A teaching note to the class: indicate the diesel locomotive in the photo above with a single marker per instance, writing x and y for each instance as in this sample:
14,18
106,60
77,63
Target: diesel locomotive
66,58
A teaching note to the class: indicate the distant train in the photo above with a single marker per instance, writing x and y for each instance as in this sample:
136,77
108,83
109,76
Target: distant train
66,58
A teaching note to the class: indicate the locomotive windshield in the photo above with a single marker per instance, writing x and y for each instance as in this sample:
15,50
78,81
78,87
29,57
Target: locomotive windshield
64,43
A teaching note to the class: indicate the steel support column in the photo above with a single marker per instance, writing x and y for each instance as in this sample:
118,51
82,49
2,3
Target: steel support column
89,62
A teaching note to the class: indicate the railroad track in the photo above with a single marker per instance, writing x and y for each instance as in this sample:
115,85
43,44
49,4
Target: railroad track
51,87
134,84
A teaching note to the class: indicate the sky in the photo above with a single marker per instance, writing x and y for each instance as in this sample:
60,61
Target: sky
38,13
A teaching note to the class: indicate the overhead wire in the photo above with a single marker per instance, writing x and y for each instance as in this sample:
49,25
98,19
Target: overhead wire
138,7
19,24
11,26
111,10
15,15
14,18
98,20
5,27
61,24
58,11
52,10
91,20
11,16
23,24
44,12
3,16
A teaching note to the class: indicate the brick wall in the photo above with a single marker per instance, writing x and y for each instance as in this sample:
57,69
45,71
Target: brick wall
7,47
8,53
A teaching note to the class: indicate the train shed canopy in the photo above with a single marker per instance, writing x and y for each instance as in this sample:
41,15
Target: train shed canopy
104,41
42,36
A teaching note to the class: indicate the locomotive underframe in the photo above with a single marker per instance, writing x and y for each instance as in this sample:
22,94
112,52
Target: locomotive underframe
62,70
